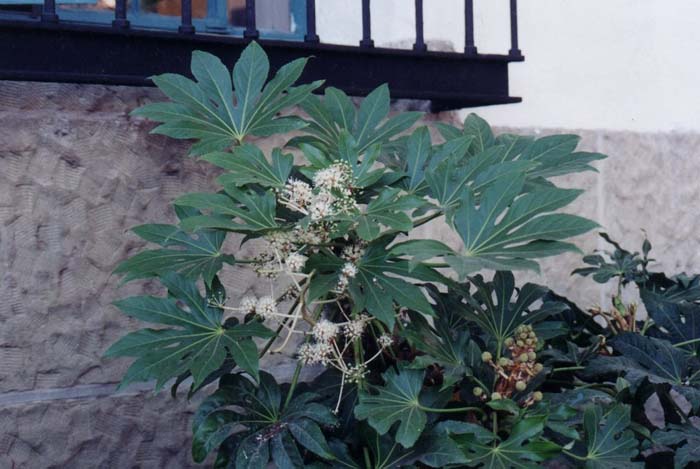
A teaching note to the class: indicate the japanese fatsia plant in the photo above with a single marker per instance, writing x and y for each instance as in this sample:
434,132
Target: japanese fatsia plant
421,357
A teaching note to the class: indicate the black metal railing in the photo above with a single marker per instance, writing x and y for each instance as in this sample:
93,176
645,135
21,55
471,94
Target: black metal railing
477,78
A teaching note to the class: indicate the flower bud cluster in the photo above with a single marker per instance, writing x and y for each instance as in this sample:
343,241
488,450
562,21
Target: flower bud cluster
514,373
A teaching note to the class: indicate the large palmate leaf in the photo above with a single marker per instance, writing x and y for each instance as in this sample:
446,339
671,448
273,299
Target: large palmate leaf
388,209
646,357
685,439
211,111
451,349
677,289
553,155
254,427
399,400
524,447
197,340
506,230
376,287
608,440
494,308
248,165
658,358
237,210
189,255
677,322
336,113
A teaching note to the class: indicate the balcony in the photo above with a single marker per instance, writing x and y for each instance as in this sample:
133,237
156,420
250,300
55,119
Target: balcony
50,43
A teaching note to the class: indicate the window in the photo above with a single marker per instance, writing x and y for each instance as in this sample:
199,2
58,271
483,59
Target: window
276,19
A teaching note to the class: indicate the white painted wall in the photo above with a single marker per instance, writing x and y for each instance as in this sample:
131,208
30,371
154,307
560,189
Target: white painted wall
590,64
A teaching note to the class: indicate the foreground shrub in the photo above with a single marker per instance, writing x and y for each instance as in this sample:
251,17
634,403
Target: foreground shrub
426,362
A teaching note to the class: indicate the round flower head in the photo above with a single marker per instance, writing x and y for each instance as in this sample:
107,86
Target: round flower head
356,374
355,328
385,341
298,193
248,304
266,307
322,206
349,270
295,262
324,330
311,354
336,177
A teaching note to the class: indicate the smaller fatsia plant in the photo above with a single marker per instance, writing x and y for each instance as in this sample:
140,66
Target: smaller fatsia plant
420,358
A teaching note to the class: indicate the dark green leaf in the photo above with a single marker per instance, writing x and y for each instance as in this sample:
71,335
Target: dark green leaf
198,342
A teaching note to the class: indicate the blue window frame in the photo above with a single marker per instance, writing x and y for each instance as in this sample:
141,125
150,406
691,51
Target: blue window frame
216,18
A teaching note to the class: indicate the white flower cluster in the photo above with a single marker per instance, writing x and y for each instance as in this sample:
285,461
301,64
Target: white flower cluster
335,178
265,307
295,262
318,353
347,273
297,194
355,328
322,206
324,330
331,193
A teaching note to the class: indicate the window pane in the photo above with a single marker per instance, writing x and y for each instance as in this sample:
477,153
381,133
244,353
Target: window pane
269,14
173,7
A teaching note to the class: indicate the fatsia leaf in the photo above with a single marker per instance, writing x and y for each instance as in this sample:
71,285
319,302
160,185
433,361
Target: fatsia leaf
336,114
453,350
255,211
608,440
686,442
189,255
677,322
248,165
197,342
376,287
257,426
206,110
504,232
523,448
495,309
388,209
399,400
656,359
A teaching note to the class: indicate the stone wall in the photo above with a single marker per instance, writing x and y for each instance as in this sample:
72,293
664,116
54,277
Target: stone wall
76,172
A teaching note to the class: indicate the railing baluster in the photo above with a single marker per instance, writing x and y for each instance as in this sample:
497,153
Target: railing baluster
251,32
120,20
419,45
514,50
366,25
186,17
469,47
311,35
48,13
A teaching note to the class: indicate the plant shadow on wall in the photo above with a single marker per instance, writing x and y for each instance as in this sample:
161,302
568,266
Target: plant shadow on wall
427,363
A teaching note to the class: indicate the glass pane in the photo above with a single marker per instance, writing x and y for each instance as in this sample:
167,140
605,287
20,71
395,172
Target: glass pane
173,7
269,14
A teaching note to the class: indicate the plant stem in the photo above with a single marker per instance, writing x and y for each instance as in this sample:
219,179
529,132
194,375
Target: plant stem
575,456
426,219
687,342
368,461
494,418
451,410
293,385
568,368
